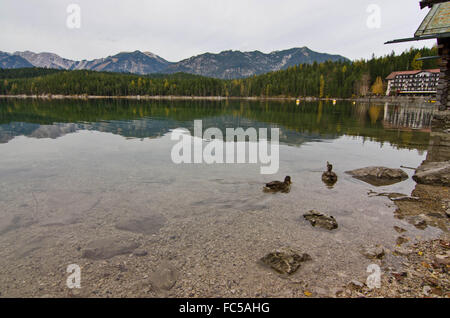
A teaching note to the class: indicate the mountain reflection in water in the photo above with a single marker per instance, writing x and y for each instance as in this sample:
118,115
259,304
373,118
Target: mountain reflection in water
402,127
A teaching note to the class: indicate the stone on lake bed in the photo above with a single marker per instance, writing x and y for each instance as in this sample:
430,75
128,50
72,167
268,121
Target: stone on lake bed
285,261
399,229
379,176
373,252
419,221
426,290
321,220
401,240
442,259
356,284
433,173
164,276
140,252
404,251
149,224
107,248
15,222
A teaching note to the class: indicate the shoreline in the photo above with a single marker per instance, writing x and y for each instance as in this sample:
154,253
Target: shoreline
380,99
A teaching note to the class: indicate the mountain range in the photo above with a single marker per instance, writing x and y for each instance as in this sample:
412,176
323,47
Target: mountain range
224,65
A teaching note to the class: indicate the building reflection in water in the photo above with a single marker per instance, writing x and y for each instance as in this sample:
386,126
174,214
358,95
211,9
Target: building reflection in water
408,117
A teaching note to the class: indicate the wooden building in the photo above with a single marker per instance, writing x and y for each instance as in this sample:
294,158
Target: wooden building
436,25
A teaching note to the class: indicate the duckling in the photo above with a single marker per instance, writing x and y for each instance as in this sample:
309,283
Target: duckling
278,186
329,177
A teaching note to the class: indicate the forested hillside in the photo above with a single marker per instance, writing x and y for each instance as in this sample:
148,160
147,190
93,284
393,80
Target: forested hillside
329,79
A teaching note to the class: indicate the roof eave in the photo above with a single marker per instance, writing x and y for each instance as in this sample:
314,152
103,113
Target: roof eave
420,38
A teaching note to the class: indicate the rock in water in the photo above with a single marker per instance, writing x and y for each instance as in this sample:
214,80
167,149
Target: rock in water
399,229
373,252
108,248
356,284
401,240
140,252
442,259
149,224
379,176
16,222
433,173
285,261
321,220
164,276
404,251
426,290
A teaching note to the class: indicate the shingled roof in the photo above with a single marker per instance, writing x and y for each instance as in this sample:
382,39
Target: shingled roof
436,24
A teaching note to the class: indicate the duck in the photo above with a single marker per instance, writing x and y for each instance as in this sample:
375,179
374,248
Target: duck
329,177
278,186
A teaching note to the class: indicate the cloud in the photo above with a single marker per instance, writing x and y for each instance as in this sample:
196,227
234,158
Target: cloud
177,29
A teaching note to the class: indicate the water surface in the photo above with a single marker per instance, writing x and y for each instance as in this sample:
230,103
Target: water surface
72,171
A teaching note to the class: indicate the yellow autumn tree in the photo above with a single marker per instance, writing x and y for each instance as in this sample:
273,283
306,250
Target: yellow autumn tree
131,87
374,113
268,87
322,87
377,87
415,64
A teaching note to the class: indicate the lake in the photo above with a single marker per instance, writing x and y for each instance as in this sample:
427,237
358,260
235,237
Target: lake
92,183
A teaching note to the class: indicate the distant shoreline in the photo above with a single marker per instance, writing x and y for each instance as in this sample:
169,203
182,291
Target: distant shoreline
380,99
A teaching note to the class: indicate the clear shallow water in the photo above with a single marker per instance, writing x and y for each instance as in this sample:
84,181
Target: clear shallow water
71,170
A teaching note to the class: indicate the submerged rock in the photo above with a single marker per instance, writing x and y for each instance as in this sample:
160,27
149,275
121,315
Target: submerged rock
140,252
150,224
404,251
379,176
356,284
373,252
62,220
426,290
401,240
108,248
17,222
433,173
164,277
419,221
285,261
443,259
321,220
399,229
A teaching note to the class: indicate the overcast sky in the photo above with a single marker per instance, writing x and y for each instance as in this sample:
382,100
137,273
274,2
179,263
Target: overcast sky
178,29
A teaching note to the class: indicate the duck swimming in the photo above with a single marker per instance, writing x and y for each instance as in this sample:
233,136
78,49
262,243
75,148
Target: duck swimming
278,186
329,177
